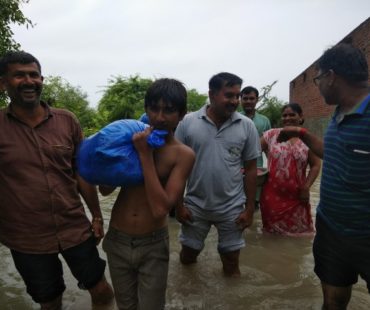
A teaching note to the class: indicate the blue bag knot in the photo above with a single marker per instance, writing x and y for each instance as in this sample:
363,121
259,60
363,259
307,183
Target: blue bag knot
157,138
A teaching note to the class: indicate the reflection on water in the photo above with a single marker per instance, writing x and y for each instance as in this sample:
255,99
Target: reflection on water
277,273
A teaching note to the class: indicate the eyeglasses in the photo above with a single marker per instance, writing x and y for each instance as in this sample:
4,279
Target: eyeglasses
316,79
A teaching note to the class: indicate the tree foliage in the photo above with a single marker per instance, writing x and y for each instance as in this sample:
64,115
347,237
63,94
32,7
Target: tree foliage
10,13
270,106
195,100
123,98
60,93
3,100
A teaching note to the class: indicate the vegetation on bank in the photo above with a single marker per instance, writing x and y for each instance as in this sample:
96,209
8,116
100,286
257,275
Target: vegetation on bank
123,97
10,14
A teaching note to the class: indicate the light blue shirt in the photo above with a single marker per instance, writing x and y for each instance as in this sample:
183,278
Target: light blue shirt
262,124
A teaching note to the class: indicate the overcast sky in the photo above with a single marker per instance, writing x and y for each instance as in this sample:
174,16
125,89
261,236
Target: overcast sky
89,41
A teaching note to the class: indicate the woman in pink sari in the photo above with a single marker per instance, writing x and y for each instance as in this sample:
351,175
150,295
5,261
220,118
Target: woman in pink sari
285,206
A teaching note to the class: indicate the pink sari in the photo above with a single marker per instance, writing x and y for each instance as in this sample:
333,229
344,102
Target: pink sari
281,209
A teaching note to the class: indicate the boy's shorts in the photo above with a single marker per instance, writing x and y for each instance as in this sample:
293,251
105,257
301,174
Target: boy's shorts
230,235
340,259
139,267
43,273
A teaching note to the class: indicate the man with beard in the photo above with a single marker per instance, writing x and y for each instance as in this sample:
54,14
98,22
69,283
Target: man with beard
223,141
41,214
341,246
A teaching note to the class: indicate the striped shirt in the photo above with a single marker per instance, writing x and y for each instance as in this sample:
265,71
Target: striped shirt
345,184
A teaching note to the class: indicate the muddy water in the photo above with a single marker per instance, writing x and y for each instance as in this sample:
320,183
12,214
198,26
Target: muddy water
277,273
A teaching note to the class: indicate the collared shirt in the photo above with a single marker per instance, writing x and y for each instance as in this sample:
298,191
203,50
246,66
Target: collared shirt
345,184
262,124
40,207
216,181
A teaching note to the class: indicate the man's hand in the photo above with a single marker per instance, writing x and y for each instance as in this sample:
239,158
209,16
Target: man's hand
97,228
245,219
288,132
183,214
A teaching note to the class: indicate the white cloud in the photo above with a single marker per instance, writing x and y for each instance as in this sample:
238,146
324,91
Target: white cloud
88,41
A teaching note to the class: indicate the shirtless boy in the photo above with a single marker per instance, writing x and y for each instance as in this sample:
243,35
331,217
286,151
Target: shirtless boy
137,240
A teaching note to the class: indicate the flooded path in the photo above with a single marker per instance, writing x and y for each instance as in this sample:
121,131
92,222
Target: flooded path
277,273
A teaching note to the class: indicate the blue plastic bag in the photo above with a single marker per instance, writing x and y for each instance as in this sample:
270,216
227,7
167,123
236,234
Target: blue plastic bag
144,118
110,158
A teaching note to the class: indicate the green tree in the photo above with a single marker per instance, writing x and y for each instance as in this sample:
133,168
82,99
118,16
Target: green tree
10,13
123,98
60,93
195,100
270,106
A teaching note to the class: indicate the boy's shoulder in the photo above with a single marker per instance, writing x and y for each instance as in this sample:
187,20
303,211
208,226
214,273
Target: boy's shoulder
173,157
181,151
186,150
181,148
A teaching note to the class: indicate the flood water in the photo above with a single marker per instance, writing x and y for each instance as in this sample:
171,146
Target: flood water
277,273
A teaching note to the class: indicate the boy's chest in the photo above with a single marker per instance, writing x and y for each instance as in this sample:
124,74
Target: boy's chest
165,161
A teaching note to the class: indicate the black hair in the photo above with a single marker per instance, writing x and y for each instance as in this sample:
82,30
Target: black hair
248,90
171,91
294,106
223,79
346,61
14,57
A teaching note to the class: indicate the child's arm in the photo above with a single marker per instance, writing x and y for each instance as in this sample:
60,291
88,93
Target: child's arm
162,199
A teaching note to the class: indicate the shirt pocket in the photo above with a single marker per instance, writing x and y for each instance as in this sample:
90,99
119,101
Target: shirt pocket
231,151
59,156
357,165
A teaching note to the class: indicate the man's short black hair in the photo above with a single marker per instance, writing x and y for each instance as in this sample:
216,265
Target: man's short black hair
171,91
248,90
14,57
346,61
224,79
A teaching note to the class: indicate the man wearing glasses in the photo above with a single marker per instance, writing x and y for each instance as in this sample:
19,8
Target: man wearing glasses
341,246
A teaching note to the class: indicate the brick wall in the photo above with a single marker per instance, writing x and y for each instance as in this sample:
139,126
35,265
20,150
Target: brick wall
303,91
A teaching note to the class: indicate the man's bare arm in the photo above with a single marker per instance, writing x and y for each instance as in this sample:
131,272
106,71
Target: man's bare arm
246,218
183,214
90,196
